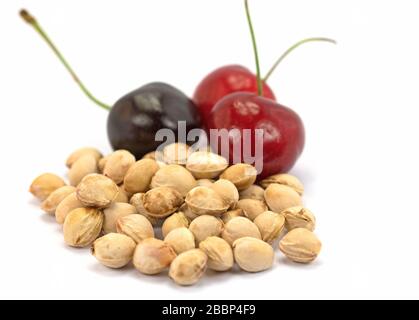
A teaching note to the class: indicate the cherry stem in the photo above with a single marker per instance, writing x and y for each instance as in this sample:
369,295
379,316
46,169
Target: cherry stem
32,21
290,49
255,49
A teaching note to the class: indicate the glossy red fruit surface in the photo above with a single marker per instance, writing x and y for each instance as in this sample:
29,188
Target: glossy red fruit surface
224,81
283,138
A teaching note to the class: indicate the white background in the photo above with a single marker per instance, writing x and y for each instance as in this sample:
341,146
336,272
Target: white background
359,101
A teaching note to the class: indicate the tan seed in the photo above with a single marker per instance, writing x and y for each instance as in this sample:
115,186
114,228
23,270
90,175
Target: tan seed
49,205
299,217
206,226
206,165
162,201
118,164
138,176
174,176
238,228
113,250
43,185
253,255
219,252
270,225
180,239
82,226
153,256
300,245
136,226
280,197
204,200
188,267
96,190
241,174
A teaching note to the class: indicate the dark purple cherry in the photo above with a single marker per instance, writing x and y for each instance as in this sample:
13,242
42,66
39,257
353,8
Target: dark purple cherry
136,117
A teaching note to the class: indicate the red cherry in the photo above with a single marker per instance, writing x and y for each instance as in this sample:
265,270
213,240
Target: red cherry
224,81
283,139
283,131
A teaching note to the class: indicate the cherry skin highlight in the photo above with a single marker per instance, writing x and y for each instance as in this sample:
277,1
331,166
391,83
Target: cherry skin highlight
283,139
222,82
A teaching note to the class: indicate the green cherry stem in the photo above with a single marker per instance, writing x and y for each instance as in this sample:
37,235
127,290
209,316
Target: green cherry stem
255,49
290,49
32,21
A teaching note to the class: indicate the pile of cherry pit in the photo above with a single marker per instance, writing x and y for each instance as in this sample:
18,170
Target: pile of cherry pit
178,209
